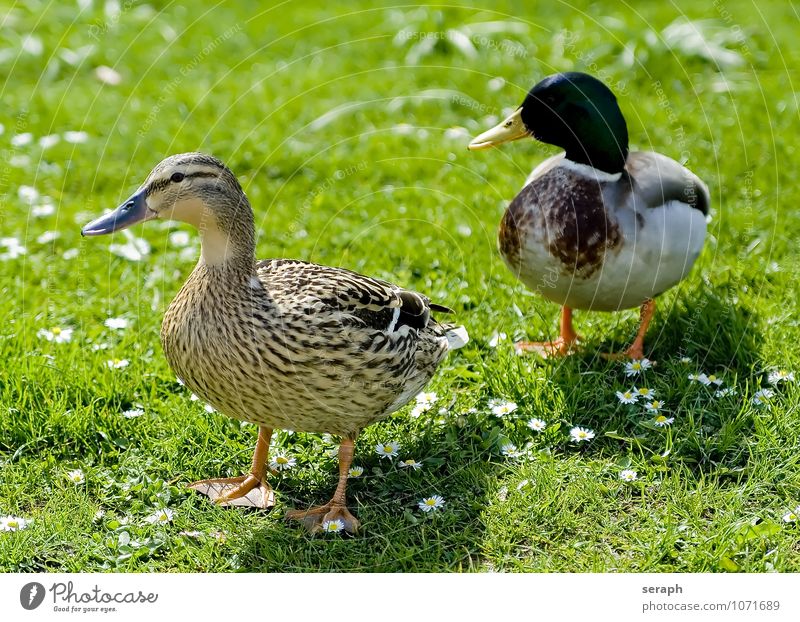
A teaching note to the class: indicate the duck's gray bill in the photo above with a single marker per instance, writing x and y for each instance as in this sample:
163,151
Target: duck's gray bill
132,211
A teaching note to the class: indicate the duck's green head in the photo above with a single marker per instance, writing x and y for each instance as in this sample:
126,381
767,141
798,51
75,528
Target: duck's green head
194,188
573,111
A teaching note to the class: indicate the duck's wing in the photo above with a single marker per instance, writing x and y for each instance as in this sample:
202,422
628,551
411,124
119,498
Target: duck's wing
365,301
658,179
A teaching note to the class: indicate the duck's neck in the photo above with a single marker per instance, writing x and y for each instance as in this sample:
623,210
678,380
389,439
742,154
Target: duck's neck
227,242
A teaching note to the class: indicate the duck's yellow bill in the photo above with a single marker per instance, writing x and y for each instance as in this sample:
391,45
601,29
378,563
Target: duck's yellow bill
511,129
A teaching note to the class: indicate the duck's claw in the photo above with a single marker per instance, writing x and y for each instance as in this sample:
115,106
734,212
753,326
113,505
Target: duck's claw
315,519
243,491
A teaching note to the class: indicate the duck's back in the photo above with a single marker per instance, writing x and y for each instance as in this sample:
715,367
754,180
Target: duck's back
302,346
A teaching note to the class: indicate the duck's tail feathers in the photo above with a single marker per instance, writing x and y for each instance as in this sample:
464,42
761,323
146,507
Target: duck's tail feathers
456,336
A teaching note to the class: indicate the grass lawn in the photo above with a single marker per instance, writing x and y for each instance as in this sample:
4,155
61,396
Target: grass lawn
348,129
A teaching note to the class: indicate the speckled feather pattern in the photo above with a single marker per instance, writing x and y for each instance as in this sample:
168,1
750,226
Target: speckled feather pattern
302,346
605,242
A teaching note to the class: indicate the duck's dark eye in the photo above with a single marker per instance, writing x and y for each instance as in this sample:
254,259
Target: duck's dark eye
177,177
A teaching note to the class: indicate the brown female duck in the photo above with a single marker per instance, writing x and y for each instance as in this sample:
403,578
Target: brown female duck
281,343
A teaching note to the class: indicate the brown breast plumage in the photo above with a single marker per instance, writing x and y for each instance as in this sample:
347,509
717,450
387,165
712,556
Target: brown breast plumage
565,213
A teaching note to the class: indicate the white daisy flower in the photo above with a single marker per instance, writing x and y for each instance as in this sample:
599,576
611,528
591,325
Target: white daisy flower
356,471
55,334
709,379
727,391
418,410
71,253
685,360
22,140
644,392
628,475
410,463
191,534
32,45
46,208
209,408
579,434
695,377
12,249
45,142
282,462
509,450
133,413
502,408
47,237
135,249
116,323
179,238
762,396
654,406
627,397
161,516
13,523
496,338
426,399
76,138
791,517
76,476
107,75
431,504
634,368
333,526
781,375
27,194
387,450
537,425
662,421
117,363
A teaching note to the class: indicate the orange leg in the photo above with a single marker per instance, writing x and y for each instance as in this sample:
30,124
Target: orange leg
636,349
561,346
249,490
336,508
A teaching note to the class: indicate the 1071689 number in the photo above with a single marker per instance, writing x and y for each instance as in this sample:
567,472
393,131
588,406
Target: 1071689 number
755,605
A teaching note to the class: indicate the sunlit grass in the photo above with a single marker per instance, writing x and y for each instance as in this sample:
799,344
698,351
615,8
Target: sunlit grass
348,131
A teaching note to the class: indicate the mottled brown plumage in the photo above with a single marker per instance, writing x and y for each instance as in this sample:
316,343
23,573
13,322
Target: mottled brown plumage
281,343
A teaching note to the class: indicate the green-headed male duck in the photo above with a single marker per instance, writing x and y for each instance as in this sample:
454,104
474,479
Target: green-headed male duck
596,227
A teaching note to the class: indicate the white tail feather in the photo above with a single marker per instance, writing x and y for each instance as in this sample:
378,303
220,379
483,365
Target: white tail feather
456,338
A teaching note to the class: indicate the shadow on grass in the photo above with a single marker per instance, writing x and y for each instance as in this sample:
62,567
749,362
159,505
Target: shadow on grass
709,433
395,536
